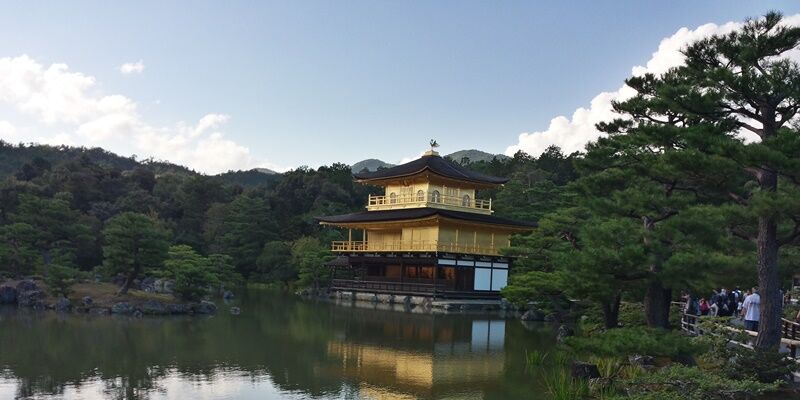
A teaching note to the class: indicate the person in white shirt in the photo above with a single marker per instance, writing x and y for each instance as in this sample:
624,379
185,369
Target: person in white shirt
750,310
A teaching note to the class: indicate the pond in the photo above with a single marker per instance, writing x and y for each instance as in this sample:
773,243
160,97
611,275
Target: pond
279,347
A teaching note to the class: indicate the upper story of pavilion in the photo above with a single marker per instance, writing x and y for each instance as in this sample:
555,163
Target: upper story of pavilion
429,182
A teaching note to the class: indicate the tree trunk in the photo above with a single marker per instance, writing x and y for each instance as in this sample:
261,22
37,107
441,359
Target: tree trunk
769,327
657,301
657,298
129,281
611,312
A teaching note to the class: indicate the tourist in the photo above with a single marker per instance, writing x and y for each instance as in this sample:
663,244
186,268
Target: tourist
704,307
713,307
733,303
722,304
750,310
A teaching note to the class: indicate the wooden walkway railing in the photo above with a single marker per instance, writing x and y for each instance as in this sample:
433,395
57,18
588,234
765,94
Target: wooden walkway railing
790,330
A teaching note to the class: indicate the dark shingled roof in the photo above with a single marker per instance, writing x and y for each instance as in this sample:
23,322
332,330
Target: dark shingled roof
435,164
422,212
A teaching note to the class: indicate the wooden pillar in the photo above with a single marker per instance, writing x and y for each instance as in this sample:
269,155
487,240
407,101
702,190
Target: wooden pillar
435,276
402,273
350,239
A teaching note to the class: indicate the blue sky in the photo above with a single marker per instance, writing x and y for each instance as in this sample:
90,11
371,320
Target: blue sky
309,83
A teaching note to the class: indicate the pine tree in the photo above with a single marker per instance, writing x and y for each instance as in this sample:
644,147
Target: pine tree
18,255
134,244
744,80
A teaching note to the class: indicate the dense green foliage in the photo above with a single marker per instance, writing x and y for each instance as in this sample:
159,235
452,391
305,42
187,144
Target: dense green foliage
90,210
680,382
134,245
674,198
625,342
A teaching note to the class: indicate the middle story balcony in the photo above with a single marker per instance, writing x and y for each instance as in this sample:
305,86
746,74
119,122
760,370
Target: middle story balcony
429,199
411,246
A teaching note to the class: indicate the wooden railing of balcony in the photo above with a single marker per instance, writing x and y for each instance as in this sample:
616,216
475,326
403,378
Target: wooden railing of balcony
428,198
387,286
411,246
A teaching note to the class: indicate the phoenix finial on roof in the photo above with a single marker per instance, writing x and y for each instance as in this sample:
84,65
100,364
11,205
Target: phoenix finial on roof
434,144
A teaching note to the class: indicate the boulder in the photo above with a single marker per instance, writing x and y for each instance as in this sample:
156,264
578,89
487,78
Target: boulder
122,308
227,295
100,311
563,332
31,298
236,311
179,308
26,285
152,307
532,315
550,318
204,307
87,301
167,287
137,314
63,305
118,280
641,360
149,285
8,295
584,370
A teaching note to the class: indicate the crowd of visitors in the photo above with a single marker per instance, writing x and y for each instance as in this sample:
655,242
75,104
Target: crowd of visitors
728,303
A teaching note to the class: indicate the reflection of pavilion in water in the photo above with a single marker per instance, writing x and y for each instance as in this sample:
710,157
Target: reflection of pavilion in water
422,356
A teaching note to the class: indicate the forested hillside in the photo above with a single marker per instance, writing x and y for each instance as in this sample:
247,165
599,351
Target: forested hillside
58,205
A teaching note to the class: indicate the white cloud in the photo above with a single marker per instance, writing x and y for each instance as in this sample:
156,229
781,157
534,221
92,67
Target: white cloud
69,109
572,134
8,132
132,68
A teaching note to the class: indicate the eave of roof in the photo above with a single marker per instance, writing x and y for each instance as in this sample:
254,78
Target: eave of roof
434,164
366,217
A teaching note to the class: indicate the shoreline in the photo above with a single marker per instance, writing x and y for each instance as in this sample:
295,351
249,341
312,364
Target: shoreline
97,298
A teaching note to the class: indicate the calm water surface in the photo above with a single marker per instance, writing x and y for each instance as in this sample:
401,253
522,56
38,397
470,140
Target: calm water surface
279,347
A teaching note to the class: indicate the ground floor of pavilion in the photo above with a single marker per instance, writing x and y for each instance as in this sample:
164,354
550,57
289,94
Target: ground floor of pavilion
421,274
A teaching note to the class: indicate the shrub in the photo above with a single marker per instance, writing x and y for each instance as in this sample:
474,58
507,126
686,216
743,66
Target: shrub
632,314
623,342
691,383
193,273
192,281
59,279
741,363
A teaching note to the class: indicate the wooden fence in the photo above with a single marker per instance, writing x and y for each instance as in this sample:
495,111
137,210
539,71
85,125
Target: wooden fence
790,331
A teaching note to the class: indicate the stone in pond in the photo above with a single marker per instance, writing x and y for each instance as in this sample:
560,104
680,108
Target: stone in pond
8,295
121,308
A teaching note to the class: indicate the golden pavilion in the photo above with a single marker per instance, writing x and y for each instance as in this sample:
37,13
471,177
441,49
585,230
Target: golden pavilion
426,235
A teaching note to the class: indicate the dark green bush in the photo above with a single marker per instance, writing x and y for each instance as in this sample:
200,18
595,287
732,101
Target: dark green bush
623,342
59,279
691,383
738,362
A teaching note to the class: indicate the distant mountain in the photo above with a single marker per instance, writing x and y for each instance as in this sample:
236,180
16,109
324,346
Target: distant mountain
14,157
370,164
266,171
475,156
253,177
373,164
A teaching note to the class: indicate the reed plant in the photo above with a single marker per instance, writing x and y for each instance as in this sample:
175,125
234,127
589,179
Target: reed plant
561,386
